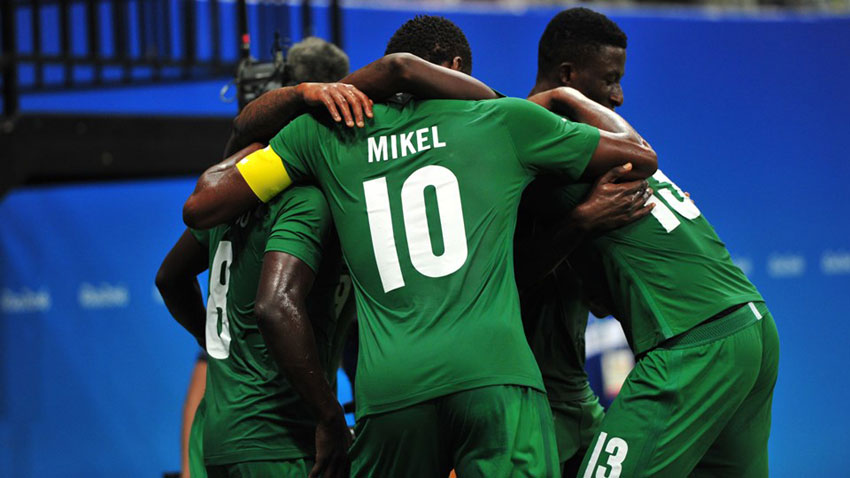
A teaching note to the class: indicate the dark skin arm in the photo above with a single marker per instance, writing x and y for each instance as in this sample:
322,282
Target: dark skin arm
282,317
618,142
221,193
261,119
404,72
177,282
609,205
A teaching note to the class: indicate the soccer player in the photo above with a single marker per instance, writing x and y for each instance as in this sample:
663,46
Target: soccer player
262,273
698,401
447,177
558,347
553,312
585,50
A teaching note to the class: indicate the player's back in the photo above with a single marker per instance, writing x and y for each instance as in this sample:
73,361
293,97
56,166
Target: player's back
665,273
424,199
252,411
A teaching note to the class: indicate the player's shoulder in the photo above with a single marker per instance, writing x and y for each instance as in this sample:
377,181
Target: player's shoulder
519,106
302,199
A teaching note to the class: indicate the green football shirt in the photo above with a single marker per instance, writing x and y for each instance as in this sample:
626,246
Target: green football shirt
252,413
663,274
555,319
424,199
553,312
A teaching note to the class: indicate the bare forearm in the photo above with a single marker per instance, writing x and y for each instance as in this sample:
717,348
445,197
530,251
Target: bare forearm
221,194
262,118
571,103
289,336
185,303
403,72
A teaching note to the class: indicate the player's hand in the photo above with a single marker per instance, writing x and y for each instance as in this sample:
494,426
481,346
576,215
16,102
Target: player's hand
332,441
343,101
610,204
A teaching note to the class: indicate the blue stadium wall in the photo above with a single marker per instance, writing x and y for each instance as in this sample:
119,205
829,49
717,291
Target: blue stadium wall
747,113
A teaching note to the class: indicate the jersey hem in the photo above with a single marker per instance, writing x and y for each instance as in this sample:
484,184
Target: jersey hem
447,390
264,455
576,395
721,306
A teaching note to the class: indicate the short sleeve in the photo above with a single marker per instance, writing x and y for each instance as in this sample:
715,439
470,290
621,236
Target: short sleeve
202,235
301,226
546,142
298,147
567,197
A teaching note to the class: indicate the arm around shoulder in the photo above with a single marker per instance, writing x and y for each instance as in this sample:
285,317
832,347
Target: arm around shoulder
221,193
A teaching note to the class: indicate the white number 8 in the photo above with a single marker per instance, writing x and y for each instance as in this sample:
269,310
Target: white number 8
218,344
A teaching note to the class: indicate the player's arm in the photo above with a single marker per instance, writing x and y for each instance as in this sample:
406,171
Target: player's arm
262,118
177,281
619,143
281,312
608,205
404,72
347,100
221,193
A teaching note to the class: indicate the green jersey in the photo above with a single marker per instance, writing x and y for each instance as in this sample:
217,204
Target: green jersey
553,312
664,274
555,319
424,199
252,413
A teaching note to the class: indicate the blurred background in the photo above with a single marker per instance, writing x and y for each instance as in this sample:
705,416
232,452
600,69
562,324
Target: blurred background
111,108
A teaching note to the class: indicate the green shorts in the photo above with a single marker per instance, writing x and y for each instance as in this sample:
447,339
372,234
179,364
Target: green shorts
296,468
576,423
492,432
698,405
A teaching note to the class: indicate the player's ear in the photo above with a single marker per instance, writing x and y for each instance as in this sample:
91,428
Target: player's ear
457,65
566,73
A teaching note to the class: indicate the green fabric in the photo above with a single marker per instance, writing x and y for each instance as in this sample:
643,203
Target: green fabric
441,312
576,423
659,283
196,443
483,432
252,413
555,320
696,410
297,468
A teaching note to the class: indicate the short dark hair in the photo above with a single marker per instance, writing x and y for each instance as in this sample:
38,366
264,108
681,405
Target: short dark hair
574,35
314,59
432,38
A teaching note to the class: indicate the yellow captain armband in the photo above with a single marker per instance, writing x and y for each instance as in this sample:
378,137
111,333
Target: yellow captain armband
264,172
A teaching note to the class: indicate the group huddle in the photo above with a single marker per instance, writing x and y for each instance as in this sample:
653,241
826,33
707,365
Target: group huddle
476,232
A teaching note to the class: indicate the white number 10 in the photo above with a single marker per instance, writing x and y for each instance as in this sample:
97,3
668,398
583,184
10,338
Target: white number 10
685,207
416,225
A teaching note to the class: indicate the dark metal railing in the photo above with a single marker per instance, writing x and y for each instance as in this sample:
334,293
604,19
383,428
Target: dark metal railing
121,42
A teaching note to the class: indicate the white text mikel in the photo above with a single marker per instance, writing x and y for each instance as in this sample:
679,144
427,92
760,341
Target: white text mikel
395,146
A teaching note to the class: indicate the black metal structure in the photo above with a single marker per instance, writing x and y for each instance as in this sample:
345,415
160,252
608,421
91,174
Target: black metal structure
119,43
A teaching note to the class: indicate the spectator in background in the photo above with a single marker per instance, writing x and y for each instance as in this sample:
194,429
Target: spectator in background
314,59
310,60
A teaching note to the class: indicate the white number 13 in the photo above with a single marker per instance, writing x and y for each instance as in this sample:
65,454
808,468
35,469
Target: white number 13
416,225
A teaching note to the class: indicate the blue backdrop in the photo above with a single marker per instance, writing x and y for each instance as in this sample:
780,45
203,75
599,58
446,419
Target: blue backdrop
747,113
